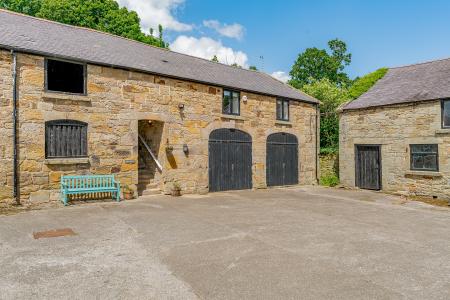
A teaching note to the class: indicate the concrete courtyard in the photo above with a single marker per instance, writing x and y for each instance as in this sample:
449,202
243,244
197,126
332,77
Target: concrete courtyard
297,243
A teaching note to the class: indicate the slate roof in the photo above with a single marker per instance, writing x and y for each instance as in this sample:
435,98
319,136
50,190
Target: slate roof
413,83
38,36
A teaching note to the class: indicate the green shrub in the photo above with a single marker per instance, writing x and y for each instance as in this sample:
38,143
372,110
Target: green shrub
328,150
363,84
329,180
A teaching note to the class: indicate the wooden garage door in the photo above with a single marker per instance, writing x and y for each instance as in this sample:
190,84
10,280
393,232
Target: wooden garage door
368,167
282,159
230,160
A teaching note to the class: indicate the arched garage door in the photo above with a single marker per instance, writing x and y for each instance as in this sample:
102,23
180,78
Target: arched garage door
282,159
230,160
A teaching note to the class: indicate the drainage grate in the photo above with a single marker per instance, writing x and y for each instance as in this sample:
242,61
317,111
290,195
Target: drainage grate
53,233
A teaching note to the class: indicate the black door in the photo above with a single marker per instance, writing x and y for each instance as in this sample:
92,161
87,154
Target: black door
282,159
230,160
368,167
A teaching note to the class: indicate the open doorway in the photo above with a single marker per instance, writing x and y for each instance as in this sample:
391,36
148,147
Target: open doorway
150,166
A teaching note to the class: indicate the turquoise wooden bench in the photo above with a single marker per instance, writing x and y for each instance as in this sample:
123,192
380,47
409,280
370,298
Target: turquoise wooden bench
89,184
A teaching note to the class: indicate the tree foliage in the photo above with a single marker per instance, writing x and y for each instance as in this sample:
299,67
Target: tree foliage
253,68
363,84
316,64
215,59
331,97
103,15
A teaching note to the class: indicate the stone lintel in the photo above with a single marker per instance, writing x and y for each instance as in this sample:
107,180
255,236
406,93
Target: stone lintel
423,173
280,122
64,96
67,161
443,131
232,117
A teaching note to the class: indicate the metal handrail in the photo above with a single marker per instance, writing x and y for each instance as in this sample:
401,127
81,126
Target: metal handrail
158,164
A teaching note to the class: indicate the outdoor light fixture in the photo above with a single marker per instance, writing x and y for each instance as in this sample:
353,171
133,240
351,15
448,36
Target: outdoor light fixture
185,148
181,105
244,98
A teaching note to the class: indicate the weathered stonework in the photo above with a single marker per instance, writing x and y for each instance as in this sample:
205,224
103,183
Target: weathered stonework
116,100
395,128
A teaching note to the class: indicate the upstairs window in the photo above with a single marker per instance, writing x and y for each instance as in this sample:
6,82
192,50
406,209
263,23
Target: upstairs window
65,139
424,157
445,105
231,102
66,77
282,110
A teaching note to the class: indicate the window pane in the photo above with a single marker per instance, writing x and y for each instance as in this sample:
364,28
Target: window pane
424,157
235,105
226,102
279,109
429,162
446,114
286,110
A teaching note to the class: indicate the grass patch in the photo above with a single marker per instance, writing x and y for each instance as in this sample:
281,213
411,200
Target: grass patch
329,180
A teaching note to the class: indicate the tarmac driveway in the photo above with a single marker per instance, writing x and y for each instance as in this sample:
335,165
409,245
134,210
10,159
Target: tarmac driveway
302,243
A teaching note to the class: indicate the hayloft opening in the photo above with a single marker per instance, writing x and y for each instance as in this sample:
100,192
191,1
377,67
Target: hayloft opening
67,77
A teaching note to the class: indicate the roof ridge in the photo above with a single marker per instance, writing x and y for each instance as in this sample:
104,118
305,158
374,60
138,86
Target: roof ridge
121,37
420,63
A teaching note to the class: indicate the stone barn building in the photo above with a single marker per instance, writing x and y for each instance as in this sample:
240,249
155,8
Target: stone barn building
396,136
79,101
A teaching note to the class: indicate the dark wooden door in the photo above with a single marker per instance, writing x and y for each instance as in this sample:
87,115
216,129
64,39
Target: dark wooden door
230,160
368,167
282,159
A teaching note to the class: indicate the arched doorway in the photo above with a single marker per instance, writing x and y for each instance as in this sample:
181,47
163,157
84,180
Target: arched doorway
230,160
282,159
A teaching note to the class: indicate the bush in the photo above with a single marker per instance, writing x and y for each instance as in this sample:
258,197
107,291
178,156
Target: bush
329,180
328,150
363,84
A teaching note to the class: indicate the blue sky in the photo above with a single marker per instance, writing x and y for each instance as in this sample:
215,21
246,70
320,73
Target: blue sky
378,33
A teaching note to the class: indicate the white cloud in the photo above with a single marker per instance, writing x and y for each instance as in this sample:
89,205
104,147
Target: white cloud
155,12
206,47
280,75
235,30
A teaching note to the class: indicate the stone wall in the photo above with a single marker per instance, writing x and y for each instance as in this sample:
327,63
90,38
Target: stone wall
116,100
329,164
395,128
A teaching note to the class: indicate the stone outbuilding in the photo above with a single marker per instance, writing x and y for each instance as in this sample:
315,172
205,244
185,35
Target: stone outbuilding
79,101
396,136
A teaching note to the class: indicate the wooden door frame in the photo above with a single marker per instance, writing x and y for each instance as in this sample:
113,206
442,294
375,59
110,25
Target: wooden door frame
380,171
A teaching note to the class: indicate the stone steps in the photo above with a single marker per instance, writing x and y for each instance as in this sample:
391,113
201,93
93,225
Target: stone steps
149,192
147,185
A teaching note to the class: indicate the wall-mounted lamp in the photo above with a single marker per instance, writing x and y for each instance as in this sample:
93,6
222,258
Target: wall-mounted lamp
181,106
185,148
244,98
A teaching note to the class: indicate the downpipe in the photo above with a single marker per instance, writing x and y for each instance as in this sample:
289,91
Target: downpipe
14,116
317,141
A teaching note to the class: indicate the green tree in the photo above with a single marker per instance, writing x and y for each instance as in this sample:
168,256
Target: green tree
254,68
316,64
215,59
103,15
331,97
363,84
236,65
28,7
